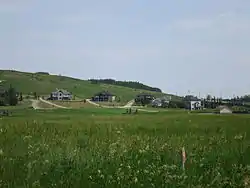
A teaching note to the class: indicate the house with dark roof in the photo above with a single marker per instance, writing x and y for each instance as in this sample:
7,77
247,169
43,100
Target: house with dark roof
144,98
61,94
103,96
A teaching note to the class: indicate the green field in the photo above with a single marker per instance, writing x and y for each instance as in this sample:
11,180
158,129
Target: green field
44,84
99,147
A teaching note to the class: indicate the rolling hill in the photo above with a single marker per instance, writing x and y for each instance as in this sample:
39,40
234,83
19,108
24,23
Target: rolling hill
44,83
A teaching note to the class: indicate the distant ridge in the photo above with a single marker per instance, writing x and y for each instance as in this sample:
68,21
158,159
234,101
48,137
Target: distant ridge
129,84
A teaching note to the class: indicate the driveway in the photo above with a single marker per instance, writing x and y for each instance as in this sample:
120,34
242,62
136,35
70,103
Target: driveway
128,105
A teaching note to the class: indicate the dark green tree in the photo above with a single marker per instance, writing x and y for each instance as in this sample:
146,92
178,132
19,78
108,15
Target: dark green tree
12,96
35,95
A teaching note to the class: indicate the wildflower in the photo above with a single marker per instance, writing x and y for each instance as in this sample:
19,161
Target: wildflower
135,180
36,184
99,171
46,161
238,137
1,152
29,165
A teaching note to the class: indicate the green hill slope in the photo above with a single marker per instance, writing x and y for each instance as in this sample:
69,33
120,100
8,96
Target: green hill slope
43,84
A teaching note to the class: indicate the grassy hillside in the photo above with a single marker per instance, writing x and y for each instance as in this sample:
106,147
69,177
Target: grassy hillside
43,84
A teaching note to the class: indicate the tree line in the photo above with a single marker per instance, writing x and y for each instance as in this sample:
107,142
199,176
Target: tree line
208,102
129,84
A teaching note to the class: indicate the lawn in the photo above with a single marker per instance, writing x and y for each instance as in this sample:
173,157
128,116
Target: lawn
105,148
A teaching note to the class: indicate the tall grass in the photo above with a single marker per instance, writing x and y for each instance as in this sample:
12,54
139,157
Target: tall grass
78,148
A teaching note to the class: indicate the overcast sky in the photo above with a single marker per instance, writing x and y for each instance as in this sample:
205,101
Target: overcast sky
197,45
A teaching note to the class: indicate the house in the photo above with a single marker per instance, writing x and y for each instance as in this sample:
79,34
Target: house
195,105
61,94
103,96
157,103
192,102
144,98
161,102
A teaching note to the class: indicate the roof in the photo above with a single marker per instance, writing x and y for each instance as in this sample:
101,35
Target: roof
105,93
191,98
61,90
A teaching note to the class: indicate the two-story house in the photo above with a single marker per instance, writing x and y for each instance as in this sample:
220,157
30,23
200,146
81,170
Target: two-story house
61,94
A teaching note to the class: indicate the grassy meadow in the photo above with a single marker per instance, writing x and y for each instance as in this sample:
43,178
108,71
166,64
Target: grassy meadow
98,147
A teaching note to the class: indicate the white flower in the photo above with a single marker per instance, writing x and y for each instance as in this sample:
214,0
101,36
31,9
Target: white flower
46,161
135,180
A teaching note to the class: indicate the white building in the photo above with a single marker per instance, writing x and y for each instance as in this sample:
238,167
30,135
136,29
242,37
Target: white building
195,105
61,94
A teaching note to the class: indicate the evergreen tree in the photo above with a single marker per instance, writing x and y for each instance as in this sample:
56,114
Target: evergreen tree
35,95
12,96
